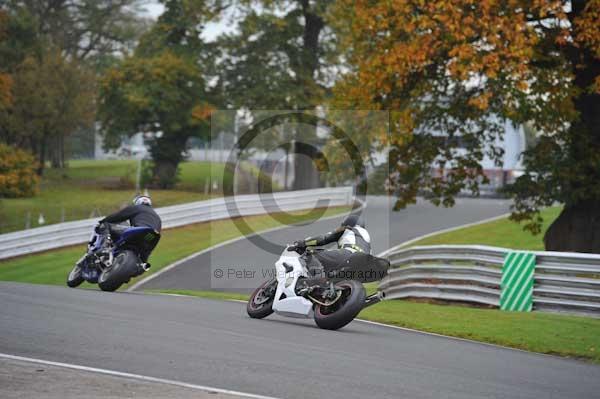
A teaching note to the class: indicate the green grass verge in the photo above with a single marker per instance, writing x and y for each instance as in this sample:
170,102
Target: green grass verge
499,233
90,188
52,267
570,336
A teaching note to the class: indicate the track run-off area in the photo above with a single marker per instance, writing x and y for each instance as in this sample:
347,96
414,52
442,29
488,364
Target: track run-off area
211,343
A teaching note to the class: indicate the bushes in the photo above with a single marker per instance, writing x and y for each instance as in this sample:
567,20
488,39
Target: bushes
17,173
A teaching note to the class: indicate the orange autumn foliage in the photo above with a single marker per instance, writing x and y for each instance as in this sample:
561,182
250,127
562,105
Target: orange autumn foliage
453,74
17,173
397,46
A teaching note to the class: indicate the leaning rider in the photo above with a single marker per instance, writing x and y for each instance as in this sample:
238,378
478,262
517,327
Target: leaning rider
351,237
140,214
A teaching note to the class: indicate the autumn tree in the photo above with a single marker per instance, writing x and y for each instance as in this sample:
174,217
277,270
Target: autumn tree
18,176
463,68
161,90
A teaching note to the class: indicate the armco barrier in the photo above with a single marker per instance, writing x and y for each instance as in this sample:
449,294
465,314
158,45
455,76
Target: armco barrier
563,281
70,233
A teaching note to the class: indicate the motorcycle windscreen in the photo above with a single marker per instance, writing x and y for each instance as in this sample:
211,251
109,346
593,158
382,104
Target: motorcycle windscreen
364,268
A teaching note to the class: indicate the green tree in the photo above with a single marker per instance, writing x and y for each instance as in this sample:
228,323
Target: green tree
280,58
464,68
162,95
18,38
51,98
161,90
49,47
91,30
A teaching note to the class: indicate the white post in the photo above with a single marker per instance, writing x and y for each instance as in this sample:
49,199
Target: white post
138,177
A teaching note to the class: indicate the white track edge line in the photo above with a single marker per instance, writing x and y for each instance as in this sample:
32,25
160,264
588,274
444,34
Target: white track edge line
222,244
115,373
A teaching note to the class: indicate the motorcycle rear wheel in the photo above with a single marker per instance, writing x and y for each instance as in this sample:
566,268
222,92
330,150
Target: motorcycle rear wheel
345,309
260,303
123,267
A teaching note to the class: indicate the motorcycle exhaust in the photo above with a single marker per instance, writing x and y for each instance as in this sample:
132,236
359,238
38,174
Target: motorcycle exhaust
374,298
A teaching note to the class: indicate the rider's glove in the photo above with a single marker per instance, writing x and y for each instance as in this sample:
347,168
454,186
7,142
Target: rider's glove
300,246
99,227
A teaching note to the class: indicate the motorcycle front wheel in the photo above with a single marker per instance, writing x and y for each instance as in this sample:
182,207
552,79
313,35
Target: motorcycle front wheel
260,304
345,309
123,267
75,277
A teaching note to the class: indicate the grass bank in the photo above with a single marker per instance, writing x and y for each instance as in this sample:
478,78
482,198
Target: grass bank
52,267
499,233
92,188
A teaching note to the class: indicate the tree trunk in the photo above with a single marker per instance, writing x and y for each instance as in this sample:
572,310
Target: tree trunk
63,160
167,152
578,226
165,173
55,157
577,229
306,175
42,155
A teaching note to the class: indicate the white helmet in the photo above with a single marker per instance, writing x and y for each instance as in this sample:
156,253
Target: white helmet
142,200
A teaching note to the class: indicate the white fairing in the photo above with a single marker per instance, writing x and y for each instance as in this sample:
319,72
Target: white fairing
292,305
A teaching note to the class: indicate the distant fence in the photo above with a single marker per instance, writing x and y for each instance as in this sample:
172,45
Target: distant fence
562,281
70,233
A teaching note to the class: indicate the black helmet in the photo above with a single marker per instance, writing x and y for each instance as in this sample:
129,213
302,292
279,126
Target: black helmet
354,219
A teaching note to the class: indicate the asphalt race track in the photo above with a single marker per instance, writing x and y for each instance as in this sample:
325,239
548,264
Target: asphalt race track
387,228
214,343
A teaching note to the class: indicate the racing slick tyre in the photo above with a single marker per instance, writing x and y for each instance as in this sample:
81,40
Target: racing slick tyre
260,304
345,309
123,267
75,277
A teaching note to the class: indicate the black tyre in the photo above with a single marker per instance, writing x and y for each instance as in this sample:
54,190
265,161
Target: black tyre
345,309
123,267
75,277
260,304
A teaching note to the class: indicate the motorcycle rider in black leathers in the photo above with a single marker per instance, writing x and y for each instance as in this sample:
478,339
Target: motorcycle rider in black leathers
139,214
351,237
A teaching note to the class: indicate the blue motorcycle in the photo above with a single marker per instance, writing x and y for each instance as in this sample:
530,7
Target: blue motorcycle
113,256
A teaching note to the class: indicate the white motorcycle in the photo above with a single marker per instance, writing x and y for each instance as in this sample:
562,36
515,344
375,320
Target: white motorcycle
333,301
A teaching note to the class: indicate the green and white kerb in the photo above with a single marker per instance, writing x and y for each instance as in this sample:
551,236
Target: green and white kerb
517,282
